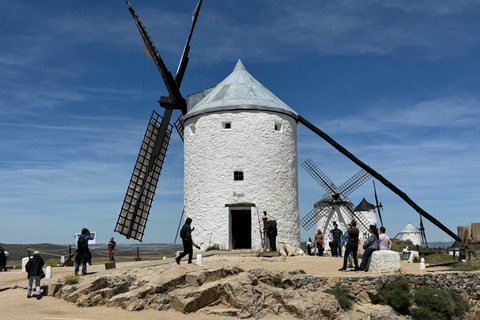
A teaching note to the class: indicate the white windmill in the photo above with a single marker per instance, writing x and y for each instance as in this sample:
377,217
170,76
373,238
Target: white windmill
240,159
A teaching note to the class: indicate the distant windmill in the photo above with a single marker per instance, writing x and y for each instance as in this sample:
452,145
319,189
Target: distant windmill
334,205
138,200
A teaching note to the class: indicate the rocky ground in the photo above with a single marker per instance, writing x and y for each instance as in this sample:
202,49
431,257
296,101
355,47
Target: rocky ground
226,285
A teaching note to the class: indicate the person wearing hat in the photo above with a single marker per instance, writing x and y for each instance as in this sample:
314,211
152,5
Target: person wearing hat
35,272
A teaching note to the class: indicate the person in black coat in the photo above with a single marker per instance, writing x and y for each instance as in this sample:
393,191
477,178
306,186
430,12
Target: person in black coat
272,234
3,260
186,235
83,253
35,272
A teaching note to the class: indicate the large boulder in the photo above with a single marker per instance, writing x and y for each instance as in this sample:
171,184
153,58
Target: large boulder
384,261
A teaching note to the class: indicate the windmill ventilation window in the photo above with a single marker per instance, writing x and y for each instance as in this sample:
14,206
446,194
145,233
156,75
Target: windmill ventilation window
238,176
278,126
227,125
192,128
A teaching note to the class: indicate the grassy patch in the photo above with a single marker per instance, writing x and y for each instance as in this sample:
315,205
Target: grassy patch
341,294
121,288
396,294
278,282
438,258
238,269
398,245
469,265
71,279
214,247
294,272
51,262
444,304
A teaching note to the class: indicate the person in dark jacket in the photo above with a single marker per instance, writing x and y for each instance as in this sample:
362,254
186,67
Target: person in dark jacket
336,241
352,246
3,260
186,235
272,234
83,254
35,272
370,246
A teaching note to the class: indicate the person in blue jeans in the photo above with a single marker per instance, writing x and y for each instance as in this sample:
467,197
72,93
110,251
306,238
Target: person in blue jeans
337,241
83,254
370,246
352,246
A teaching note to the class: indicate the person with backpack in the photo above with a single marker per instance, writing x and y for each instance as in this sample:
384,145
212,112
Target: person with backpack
35,272
83,254
186,235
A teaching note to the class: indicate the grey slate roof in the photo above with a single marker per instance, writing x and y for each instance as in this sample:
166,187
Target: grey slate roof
239,91
365,206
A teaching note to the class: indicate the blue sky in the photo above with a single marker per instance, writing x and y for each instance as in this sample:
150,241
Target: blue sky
396,83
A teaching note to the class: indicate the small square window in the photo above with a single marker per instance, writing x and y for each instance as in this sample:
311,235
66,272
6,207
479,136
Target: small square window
278,126
237,175
227,125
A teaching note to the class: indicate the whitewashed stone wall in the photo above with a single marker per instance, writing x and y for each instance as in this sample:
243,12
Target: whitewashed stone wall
268,159
413,236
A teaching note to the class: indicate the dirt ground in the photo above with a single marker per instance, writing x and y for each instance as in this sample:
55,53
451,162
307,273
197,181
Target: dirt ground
15,305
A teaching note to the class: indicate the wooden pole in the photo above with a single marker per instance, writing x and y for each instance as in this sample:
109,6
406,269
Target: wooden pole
138,254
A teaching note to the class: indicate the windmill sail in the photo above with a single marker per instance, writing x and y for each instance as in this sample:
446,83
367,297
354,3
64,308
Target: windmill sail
138,199
141,189
334,197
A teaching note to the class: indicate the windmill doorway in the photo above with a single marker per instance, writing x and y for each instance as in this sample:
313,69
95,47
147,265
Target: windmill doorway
241,228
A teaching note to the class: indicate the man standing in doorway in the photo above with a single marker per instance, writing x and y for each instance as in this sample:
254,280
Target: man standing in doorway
186,235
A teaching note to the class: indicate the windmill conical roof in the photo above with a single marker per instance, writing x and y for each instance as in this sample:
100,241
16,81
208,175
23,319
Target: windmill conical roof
410,229
240,91
364,206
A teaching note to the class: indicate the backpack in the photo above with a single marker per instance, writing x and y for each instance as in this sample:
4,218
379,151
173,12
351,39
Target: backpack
183,232
82,243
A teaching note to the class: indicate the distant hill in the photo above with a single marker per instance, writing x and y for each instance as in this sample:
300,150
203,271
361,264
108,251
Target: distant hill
55,251
440,244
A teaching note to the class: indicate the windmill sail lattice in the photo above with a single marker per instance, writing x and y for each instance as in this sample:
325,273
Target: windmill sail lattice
138,200
334,198
141,189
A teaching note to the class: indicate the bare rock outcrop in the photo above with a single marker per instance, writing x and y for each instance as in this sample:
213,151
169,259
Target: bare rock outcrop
229,291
